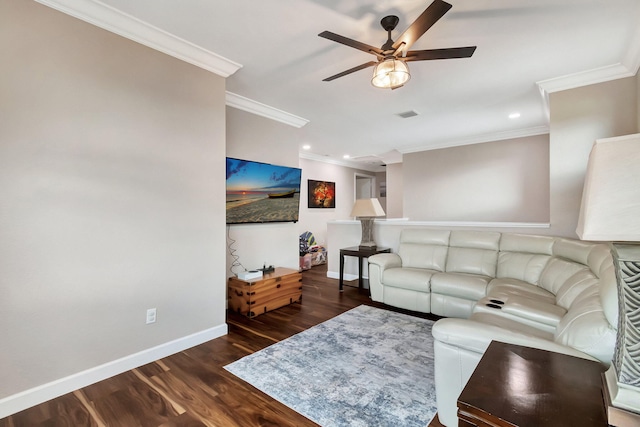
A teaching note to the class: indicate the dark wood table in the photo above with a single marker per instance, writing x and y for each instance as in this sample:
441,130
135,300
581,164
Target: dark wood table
361,253
521,386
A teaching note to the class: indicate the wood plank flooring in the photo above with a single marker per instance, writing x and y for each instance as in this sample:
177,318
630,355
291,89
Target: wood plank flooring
191,388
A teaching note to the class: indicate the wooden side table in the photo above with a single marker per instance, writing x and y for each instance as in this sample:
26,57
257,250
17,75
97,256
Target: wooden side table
273,290
521,386
361,253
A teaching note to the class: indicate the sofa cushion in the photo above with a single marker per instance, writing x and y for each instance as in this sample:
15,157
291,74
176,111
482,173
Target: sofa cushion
415,279
600,259
557,272
472,261
586,328
508,324
506,287
467,286
475,239
425,236
574,286
526,267
424,248
527,243
573,250
473,252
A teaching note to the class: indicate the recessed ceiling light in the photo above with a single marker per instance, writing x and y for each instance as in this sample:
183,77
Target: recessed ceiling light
346,156
514,115
306,147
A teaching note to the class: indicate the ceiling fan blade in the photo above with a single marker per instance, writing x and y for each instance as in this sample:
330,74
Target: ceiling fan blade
351,43
351,70
430,16
448,53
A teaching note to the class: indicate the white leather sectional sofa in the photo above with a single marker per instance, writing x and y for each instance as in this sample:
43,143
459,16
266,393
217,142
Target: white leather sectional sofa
545,292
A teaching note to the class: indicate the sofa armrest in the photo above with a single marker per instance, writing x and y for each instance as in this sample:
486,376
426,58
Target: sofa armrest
476,336
386,260
377,264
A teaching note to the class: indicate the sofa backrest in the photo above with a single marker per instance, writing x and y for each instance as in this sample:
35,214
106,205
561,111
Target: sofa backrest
568,267
474,252
580,274
524,257
424,248
590,296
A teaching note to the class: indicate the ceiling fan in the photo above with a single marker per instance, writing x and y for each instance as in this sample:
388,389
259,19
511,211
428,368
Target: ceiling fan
391,70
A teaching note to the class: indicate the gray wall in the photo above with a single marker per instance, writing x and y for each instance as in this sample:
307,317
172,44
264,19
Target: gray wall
579,117
395,196
112,197
501,181
522,180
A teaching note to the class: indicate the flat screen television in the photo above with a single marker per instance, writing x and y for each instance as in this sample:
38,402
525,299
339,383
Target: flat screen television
262,192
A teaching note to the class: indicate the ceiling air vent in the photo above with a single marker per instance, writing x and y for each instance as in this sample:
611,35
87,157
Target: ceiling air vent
407,114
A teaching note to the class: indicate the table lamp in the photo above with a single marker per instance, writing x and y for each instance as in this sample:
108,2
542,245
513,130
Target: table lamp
366,210
610,211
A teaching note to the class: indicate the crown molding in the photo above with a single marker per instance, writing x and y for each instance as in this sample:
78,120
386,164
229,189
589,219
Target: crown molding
111,19
479,139
345,163
249,105
585,78
627,68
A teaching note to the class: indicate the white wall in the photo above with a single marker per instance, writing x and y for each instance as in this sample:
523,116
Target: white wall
314,219
252,137
579,117
501,181
112,201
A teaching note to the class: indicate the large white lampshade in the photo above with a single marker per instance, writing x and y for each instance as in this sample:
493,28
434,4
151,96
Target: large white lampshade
610,211
366,210
610,208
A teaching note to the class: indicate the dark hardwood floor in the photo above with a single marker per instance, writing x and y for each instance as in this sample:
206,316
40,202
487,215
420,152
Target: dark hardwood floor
191,388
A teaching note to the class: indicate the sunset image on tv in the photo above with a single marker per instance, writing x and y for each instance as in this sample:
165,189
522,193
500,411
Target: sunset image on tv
261,192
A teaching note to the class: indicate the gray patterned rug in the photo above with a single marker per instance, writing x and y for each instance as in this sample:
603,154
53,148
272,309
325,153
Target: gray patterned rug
365,367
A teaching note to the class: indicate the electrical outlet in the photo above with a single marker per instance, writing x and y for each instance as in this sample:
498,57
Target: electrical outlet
151,315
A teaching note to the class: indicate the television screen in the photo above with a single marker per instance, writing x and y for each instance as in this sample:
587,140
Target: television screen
261,192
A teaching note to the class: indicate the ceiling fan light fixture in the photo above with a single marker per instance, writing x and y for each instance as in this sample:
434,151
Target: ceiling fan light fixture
390,74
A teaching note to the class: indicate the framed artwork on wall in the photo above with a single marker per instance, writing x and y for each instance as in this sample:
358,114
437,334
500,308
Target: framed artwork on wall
321,194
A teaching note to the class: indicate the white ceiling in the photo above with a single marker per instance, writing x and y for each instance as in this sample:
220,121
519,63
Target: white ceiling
520,43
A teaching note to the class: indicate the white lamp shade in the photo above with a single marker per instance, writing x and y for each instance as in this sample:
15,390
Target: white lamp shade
367,208
390,74
610,208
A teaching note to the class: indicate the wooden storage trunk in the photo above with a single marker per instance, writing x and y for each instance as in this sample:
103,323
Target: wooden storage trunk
272,290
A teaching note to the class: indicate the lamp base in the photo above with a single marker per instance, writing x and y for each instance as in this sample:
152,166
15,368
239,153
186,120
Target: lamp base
622,383
619,400
366,242
372,247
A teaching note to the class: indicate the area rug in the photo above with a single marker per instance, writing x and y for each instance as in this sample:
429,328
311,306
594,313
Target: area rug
366,367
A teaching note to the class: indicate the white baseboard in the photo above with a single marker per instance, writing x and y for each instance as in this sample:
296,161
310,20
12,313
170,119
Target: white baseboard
347,277
28,398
